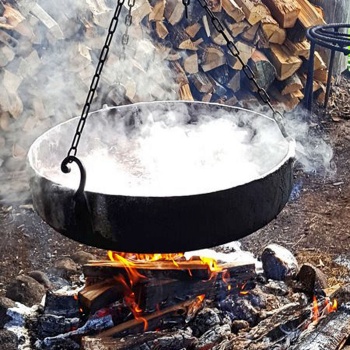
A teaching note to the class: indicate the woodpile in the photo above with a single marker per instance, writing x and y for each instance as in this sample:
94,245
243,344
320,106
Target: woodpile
270,35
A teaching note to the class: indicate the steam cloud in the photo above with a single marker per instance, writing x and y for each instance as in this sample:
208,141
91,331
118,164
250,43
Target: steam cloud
59,84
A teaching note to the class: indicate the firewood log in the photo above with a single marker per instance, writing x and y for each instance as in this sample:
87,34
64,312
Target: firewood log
273,32
237,28
301,49
201,82
174,11
212,57
157,13
193,29
321,75
264,71
190,63
250,34
254,10
297,34
285,63
285,12
290,85
181,40
233,10
308,15
185,93
288,102
235,82
161,30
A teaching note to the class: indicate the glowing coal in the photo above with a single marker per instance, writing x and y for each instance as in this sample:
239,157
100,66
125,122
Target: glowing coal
165,149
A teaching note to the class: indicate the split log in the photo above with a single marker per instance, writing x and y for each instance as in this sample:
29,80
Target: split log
254,10
181,40
181,309
174,11
140,10
297,94
330,334
285,63
6,55
235,82
321,75
288,102
213,57
285,12
273,32
193,29
237,28
185,93
190,64
201,82
250,34
301,49
290,85
233,10
161,30
157,13
211,31
99,295
264,71
308,15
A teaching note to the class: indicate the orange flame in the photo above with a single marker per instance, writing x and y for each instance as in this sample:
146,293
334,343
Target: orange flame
242,291
327,307
315,311
211,263
129,299
130,268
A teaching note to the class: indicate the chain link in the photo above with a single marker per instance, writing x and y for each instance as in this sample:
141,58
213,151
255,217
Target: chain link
93,86
128,22
233,49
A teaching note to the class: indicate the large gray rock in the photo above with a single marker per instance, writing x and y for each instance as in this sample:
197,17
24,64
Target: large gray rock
25,290
279,263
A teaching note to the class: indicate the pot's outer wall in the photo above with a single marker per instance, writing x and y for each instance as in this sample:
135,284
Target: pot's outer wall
165,224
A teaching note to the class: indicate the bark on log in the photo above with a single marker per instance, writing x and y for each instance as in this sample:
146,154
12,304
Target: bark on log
265,72
291,84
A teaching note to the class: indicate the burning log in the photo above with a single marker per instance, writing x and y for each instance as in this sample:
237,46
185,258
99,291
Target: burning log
331,333
162,340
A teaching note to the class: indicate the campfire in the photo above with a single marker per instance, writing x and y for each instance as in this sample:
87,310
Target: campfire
226,299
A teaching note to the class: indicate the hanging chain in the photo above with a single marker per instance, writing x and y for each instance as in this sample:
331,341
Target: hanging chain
186,3
128,22
246,69
103,57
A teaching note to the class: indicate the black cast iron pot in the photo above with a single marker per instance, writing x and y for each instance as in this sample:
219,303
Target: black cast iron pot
174,222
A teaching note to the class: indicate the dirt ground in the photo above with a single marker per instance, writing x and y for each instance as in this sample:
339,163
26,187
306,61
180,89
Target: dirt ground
314,226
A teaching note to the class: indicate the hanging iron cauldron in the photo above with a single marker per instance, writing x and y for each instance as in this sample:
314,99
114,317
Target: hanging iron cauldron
149,222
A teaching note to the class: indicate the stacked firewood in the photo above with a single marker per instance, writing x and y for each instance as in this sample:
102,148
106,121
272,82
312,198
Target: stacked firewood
270,35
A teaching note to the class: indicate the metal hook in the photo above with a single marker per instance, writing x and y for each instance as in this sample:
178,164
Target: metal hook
66,169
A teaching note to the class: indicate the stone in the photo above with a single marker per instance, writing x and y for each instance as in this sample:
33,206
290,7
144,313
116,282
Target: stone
41,277
279,263
311,279
25,290
5,304
82,257
8,340
65,267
